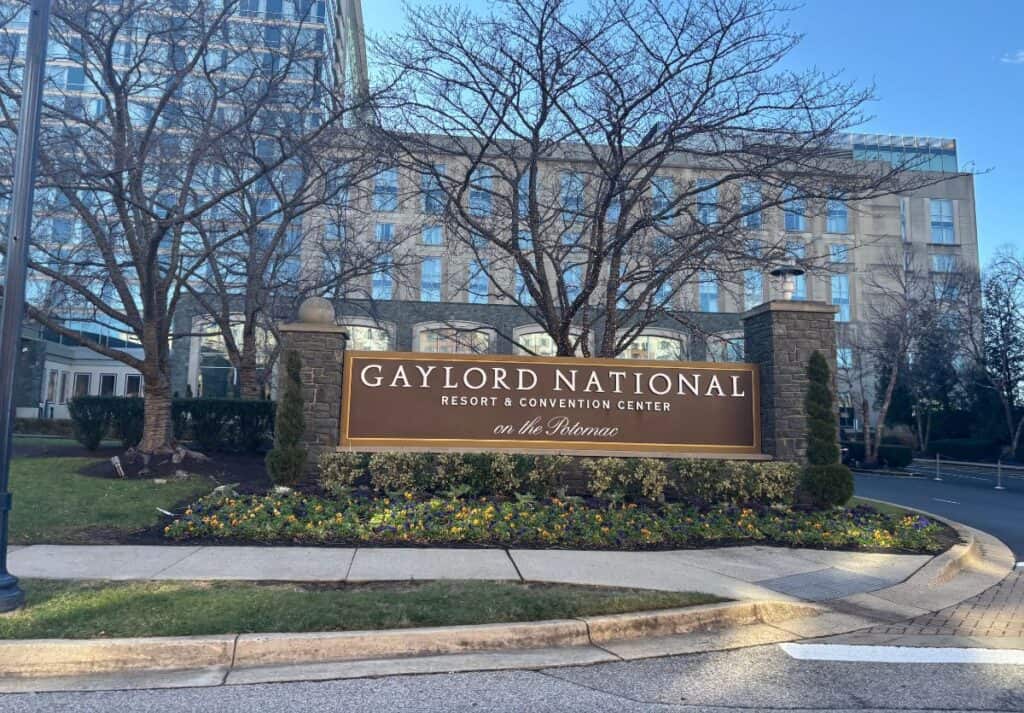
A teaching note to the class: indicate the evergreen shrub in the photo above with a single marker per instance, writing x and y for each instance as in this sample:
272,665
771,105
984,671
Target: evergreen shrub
90,421
287,461
824,481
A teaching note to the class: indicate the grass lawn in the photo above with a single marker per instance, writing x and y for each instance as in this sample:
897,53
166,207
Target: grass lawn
54,504
63,609
894,510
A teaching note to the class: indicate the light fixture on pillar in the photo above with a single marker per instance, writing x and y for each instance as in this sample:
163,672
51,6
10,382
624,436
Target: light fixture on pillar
788,273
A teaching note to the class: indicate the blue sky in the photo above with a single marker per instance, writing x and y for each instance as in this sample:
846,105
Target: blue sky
940,68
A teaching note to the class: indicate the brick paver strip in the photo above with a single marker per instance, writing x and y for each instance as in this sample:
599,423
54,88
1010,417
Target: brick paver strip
998,611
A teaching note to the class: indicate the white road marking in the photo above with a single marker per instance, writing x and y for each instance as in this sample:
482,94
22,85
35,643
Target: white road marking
902,654
940,500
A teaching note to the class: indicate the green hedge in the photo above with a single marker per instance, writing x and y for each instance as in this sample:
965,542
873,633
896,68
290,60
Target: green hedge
503,474
44,427
965,449
891,455
231,425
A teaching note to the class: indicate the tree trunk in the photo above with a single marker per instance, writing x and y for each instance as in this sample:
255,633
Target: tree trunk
248,378
158,431
867,429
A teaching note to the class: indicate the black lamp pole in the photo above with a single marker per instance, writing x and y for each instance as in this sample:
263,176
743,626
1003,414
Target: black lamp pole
19,228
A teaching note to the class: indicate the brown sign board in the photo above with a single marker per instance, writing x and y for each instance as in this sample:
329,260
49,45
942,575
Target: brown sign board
394,400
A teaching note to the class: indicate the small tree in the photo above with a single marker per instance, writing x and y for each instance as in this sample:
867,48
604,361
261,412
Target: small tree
287,461
825,482
822,447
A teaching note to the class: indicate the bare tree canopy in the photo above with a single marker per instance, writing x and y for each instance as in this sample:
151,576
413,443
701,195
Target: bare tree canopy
157,116
589,161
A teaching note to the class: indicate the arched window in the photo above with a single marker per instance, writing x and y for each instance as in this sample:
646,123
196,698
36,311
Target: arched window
659,346
453,338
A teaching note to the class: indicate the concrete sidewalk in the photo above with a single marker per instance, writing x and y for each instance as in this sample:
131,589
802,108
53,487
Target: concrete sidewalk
751,573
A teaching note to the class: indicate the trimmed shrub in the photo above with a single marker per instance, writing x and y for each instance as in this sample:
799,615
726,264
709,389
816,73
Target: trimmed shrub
822,442
826,486
400,472
287,461
965,448
735,482
230,425
127,419
340,472
628,478
44,427
547,474
896,456
90,420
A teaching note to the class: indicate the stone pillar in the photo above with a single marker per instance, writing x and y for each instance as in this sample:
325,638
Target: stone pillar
321,344
780,336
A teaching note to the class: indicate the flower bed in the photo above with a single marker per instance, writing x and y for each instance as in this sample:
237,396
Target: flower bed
568,523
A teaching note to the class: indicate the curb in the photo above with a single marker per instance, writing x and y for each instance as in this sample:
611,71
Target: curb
962,572
62,657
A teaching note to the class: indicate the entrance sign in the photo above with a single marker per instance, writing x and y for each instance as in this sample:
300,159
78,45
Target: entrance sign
480,402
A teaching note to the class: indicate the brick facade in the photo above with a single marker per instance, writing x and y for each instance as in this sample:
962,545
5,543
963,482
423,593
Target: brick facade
781,336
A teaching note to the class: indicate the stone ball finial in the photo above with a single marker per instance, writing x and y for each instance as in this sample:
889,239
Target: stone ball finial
316,310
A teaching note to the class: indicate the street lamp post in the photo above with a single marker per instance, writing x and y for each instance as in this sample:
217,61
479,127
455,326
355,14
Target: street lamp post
19,229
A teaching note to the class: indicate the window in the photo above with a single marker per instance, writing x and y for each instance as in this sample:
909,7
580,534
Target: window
663,295
74,79
62,397
707,201
753,289
841,296
662,197
480,191
650,346
433,235
367,339
798,252
725,347
430,279
523,197
943,263
573,282
837,218
381,283
433,193
523,295
572,197
82,382
133,385
844,358
838,253
51,386
479,283
384,232
614,210
450,340
108,384
794,208
904,211
525,241
750,205
942,221
539,343
385,190
708,292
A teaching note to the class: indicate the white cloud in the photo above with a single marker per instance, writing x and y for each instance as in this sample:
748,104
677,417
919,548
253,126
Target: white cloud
1013,57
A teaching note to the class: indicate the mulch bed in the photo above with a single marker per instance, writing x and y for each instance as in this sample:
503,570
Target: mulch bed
246,472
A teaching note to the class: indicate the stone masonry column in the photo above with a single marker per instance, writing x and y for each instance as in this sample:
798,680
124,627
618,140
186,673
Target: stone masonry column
780,336
321,344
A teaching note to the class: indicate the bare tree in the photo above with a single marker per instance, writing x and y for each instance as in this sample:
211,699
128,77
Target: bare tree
901,306
143,96
590,162
993,316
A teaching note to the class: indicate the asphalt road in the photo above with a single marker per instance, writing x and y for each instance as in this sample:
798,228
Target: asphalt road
965,495
760,679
